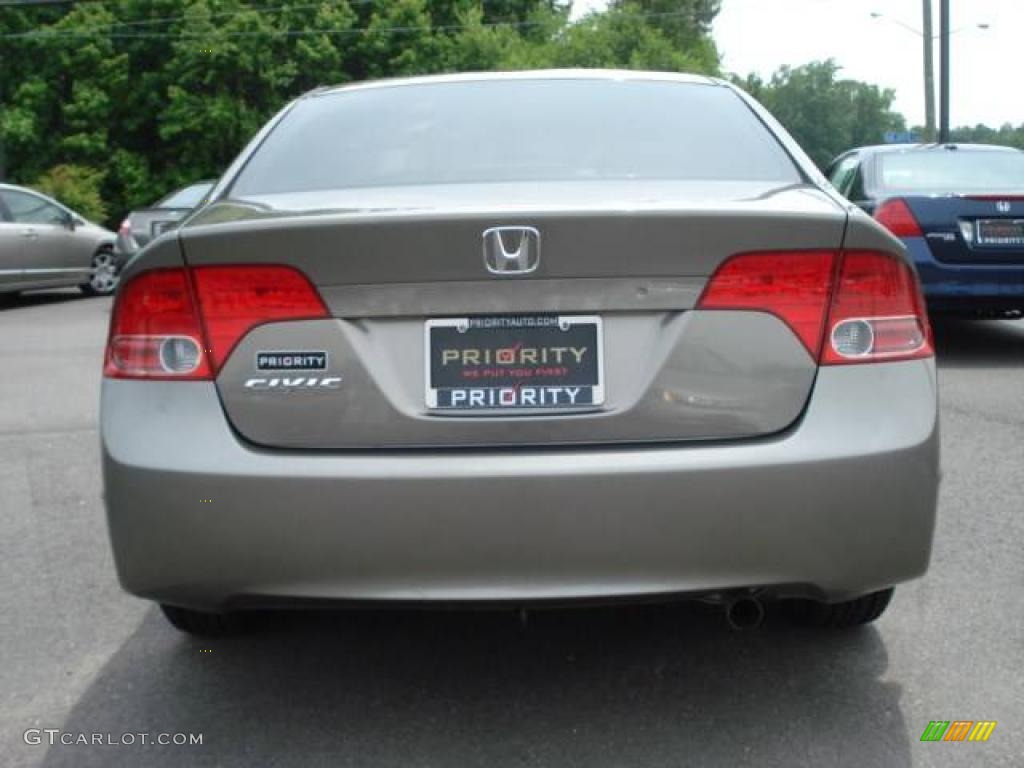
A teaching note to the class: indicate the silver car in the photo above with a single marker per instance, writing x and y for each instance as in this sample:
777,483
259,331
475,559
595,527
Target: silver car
44,244
519,338
142,225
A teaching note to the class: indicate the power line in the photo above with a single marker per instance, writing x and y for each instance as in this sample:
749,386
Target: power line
186,16
204,16
332,4
47,36
264,9
221,14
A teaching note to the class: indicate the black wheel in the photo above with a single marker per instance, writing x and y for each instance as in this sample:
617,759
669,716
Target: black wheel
852,613
104,274
199,622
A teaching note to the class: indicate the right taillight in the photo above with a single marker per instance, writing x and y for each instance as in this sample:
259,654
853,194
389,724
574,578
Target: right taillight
850,307
896,216
877,312
794,286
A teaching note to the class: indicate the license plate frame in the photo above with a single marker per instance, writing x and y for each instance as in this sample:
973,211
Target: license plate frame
995,241
548,381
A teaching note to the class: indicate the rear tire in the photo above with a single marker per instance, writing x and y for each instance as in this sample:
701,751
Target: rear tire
200,622
105,277
852,613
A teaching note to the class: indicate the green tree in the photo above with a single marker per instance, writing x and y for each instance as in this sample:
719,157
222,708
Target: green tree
1005,135
141,96
642,35
826,115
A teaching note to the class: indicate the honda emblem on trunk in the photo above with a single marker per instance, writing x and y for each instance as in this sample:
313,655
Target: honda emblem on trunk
511,250
1003,206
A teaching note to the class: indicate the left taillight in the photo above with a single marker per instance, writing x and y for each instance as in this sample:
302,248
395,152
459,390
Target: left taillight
896,216
182,324
155,330
234,299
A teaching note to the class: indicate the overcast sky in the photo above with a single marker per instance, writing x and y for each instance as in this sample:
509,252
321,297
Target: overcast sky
762,35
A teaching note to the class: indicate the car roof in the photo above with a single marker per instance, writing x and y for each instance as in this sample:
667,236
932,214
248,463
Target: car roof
950,147
208,182
532,74
36,192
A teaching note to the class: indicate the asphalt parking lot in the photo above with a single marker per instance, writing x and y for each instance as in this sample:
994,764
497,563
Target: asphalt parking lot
638,686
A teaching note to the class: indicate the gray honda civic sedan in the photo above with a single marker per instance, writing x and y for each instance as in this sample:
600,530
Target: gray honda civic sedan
518,338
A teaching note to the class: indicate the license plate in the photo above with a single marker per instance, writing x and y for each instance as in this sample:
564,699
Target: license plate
1000,231
514,363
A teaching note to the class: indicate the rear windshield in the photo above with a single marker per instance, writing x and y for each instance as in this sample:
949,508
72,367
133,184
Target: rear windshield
189,197
962,170
515,130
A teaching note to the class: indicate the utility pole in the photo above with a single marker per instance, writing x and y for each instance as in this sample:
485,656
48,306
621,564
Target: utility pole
944,71
929,73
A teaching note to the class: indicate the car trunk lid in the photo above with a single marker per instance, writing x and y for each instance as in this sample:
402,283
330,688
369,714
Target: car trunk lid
629,259
972,229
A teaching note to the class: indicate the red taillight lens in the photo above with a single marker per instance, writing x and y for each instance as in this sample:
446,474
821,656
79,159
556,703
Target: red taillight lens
235,299
155,331
874,311
896,216
877,312
163,329
795,287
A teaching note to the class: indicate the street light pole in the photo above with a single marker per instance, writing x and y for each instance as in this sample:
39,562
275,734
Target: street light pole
944,71
929,73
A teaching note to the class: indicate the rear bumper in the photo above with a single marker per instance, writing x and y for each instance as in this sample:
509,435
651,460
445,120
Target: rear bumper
966,287
842,504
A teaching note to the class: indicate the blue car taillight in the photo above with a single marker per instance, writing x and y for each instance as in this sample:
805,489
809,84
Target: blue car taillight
896,216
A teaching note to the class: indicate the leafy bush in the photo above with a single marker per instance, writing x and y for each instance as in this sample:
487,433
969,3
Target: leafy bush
77,187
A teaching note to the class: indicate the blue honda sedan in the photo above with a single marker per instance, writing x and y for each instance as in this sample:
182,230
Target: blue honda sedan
959,208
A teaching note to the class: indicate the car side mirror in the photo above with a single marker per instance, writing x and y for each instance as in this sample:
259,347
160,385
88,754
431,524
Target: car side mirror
69,221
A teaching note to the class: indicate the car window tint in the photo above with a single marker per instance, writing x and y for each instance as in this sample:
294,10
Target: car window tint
29,209
515,130
855,186
961,170
843,173
189,197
